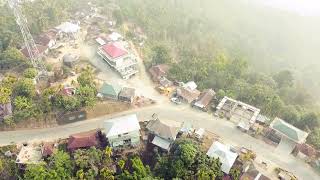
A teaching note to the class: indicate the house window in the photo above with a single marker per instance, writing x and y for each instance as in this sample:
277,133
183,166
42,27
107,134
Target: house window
119,135
125,133
127,141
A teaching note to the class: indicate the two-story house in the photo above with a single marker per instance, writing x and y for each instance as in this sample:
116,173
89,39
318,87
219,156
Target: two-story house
120,59
165,132
123,131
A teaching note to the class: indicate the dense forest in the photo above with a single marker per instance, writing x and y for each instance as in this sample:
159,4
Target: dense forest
271,40
228,47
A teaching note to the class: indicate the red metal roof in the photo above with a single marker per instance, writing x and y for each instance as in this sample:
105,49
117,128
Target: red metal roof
83,140
113,51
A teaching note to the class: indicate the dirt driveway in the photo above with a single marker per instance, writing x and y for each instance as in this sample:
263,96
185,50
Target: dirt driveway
141,81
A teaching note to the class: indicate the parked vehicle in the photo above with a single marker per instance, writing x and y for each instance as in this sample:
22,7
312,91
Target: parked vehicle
176,100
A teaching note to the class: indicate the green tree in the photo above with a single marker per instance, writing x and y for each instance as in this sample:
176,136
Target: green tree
30,73
186,152
284,78
235,173
88,161
61,165
9,168
47,97
309,120
21,103
12,57
138,170
108,152
121,164
36,172
161,55
314,138
106,174
24,109
117,14
290,114
9,81
186,161
67,103
87,96
25,87
9,121
5,95
86,78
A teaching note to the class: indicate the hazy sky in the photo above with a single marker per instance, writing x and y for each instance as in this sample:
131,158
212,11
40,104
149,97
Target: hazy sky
303,7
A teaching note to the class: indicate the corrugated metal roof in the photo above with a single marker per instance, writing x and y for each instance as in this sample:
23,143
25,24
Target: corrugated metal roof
108,89
121,125
165,144
289,130
226,157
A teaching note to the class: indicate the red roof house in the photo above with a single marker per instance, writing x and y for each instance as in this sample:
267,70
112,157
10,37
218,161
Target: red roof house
48,149
305,151
83,140
205,99
113,50
158,71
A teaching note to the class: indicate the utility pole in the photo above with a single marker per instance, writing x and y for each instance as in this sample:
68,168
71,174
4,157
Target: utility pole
31,46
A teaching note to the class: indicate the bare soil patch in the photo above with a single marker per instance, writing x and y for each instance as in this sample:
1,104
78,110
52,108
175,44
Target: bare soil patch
107,107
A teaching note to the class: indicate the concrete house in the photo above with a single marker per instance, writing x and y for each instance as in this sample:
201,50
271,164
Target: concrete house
109,91
123,131
244,115
164,131
119,59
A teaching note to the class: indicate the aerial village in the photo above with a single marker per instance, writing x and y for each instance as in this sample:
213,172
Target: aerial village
123,79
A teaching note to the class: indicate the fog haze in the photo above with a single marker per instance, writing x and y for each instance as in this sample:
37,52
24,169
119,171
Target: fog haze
303,7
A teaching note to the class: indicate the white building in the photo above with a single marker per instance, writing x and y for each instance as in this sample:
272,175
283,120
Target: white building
226,157
114,36
68,28
120,59
123,131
